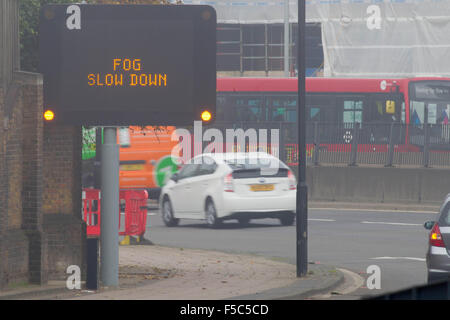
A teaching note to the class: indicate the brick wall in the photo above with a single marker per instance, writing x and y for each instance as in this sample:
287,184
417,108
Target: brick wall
14,256
3,197
41,231
62,198
32,158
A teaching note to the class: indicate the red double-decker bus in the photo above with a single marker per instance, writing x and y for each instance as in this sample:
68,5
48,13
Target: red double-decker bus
373,104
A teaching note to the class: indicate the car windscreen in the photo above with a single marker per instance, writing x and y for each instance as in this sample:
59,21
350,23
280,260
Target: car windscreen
257,167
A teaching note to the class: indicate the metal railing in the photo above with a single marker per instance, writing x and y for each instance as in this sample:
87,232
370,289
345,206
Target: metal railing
382,144
388,144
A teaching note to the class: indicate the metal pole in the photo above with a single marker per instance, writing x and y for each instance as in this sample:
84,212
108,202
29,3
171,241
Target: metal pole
355,141
302,190
426,151
98,158
316,144
109,257
286,38
390,156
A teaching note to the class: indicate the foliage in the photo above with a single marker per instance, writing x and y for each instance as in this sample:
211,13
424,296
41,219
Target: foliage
132,2
29,31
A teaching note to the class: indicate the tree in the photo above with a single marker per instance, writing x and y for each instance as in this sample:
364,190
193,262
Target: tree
29,31
133,2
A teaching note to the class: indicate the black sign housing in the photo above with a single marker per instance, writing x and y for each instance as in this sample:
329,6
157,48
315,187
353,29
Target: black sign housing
128,64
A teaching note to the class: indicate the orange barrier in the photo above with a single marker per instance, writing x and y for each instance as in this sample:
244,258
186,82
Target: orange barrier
135,211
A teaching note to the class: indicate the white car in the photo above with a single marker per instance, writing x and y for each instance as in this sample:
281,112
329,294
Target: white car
224,186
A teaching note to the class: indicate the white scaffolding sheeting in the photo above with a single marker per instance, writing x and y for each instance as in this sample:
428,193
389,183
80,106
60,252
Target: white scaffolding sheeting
371,38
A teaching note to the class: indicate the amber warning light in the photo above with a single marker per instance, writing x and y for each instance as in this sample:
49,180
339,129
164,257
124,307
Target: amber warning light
49,115
206,116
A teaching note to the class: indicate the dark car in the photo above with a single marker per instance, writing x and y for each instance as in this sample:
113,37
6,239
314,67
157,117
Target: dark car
438,254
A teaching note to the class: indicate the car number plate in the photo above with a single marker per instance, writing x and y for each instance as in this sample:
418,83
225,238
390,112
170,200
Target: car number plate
261,187
131,167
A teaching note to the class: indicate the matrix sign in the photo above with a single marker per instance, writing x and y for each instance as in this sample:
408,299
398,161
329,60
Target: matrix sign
128,64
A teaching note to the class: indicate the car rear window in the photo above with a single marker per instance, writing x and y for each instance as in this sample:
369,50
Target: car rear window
254,168
444,219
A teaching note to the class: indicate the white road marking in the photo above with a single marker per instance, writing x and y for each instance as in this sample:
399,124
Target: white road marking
392,223
375,210
399,258
326,220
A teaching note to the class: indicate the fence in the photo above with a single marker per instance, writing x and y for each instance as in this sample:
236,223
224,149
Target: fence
388,144
385,144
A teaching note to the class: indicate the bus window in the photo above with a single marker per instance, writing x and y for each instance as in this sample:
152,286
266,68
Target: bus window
417,112
443,113
282,108
248,108
403,112
321,108
222,112
377,113
432,109
352,111
440,113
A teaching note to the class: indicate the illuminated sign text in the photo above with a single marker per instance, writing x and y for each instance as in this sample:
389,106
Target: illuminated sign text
131,79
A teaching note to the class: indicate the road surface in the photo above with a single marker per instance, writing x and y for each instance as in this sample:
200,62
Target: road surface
353,240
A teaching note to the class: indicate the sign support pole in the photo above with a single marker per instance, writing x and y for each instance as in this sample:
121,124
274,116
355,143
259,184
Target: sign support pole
302,189
98,158
109,235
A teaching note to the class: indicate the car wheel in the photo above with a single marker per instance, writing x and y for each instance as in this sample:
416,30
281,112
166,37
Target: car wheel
244,221
211,215
167,214
287,220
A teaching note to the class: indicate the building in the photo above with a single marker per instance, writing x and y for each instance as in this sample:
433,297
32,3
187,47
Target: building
344,38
